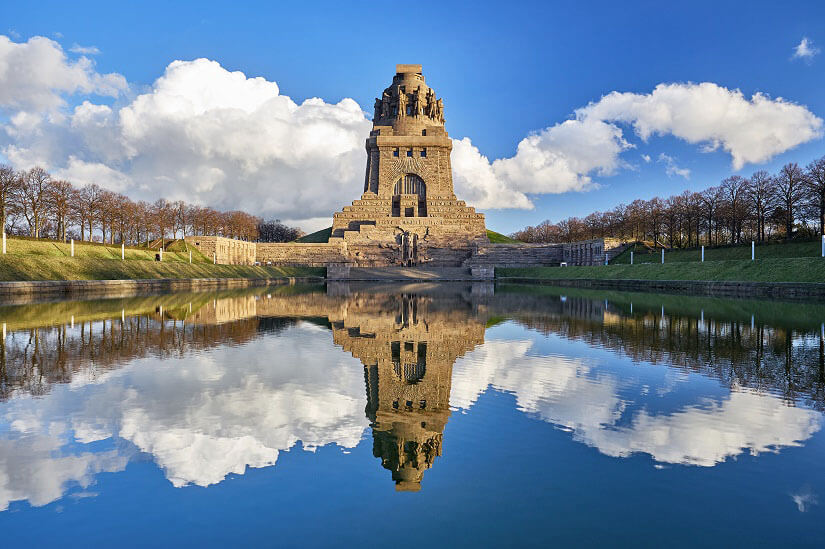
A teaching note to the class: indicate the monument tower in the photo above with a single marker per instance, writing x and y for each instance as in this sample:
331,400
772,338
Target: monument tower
408,213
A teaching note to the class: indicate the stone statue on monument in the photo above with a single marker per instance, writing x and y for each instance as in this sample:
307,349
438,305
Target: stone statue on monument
430,108
402,104
386,99
418,102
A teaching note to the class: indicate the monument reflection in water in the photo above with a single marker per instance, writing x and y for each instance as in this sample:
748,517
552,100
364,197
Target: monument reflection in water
209,386
408,344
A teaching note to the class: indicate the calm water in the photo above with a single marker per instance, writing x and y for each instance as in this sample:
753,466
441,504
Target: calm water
423,414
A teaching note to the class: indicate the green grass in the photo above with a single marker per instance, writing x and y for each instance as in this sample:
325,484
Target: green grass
800,269
40,267
498,238
321,236
91,250
722,253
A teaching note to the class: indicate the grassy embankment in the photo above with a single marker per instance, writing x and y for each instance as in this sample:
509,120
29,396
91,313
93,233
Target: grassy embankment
776,262
318,237
29,259
498,238
721,253
796,269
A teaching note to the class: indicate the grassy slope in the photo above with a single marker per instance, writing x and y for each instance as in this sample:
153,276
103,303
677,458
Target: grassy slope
724,253
498,238
30,259
321,236
33,267
85,250
802,269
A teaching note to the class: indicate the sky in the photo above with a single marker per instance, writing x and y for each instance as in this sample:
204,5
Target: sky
555,108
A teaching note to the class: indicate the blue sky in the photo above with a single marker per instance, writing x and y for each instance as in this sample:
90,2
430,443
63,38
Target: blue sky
504,70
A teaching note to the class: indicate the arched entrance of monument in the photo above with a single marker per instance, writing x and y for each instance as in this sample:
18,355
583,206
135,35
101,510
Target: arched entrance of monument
406,188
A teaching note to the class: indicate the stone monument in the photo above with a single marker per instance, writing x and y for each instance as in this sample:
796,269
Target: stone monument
408,213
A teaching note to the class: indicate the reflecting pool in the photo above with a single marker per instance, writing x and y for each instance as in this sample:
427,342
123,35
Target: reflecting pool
450,415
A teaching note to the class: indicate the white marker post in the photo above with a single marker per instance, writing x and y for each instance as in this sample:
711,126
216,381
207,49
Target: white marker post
753,251
161,253
214,258
663,256
703,254
190,257
71,247
631,258
122,251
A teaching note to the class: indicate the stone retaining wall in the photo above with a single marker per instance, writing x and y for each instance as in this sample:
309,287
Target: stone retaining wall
224,251
516,255
301,254
126,287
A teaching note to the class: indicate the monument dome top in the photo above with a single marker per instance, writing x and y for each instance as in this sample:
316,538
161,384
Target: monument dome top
408,104
408,69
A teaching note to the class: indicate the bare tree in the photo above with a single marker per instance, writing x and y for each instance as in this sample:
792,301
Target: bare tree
735,192
711,198
761,193
59,197
106,213
86,203
9,185
162,217
790,190
178,211
31,197
815,182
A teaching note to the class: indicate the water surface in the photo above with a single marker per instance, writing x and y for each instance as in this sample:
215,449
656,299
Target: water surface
438,414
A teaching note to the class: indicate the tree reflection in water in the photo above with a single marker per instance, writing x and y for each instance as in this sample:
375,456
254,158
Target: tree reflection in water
408,340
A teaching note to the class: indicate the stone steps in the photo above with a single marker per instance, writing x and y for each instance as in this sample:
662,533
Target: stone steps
410,273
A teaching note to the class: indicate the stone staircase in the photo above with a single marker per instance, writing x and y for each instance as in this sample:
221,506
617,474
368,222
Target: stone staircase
410,273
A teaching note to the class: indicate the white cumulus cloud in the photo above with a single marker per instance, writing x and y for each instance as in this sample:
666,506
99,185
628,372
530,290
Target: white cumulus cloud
805,49
671,168
35,75
211,136
752,130
84,50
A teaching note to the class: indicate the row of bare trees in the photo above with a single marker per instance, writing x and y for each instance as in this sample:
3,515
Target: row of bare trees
32,203
789,204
